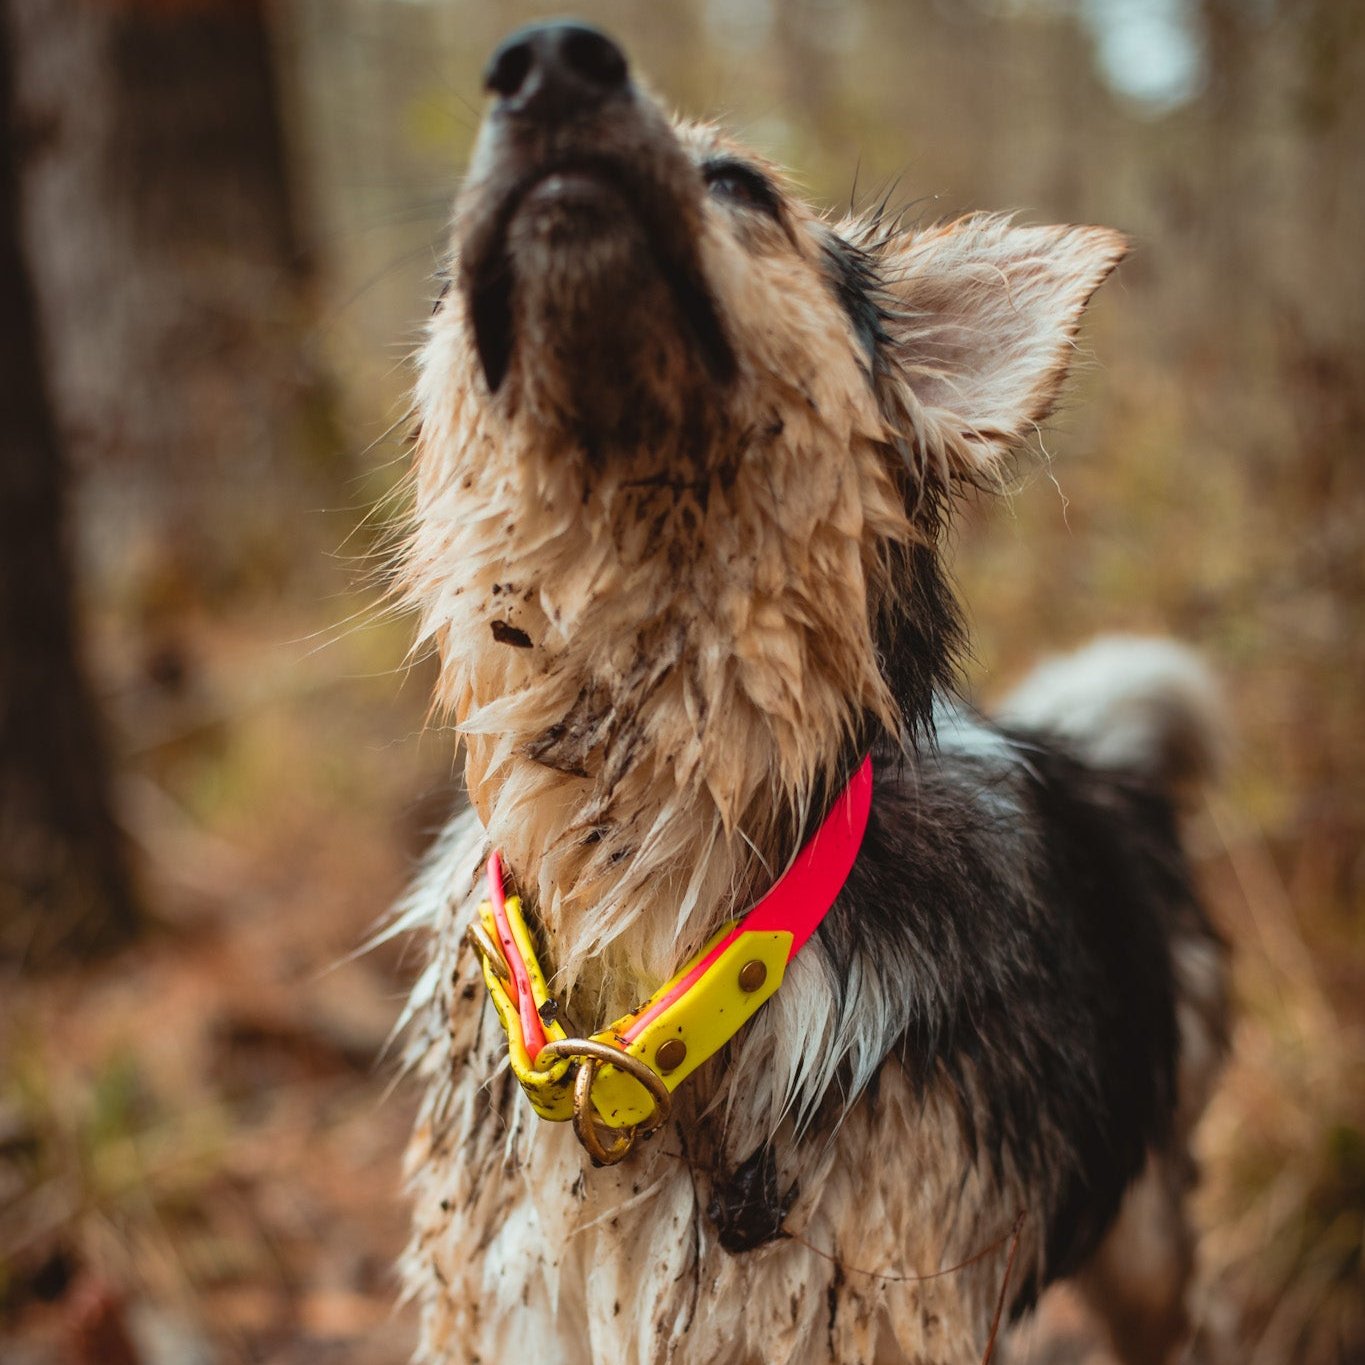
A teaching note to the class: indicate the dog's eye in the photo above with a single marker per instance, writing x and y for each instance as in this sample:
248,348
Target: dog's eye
741,186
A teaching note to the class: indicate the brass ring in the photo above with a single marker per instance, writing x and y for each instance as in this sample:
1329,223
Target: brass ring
585,1123
593,1054
477,938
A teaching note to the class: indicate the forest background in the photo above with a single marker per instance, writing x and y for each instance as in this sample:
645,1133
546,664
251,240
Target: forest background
220,222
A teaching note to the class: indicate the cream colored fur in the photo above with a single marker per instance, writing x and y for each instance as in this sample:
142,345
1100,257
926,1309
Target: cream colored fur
645,674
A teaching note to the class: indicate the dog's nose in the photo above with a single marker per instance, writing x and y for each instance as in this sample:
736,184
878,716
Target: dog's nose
554,71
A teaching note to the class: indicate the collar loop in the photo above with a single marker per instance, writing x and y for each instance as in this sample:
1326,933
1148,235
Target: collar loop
622,1077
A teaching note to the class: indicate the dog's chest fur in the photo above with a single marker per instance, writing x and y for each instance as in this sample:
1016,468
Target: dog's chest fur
533,1249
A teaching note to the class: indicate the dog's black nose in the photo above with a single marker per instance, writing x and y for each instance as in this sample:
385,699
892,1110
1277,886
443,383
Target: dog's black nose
553,71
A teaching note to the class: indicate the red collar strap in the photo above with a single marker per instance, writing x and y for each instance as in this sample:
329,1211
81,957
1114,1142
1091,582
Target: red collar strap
622,1077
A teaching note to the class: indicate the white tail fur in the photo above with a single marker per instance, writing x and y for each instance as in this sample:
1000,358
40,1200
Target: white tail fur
1145,705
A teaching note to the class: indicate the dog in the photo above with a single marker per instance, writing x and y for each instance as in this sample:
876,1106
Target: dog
685,453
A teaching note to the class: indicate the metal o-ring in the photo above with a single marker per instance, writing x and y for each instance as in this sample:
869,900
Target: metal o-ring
487,950
593,1054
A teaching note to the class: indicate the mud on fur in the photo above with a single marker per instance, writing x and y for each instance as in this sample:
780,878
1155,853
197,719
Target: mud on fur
686,450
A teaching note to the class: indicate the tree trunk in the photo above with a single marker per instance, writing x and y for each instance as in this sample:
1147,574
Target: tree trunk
63,878
169,276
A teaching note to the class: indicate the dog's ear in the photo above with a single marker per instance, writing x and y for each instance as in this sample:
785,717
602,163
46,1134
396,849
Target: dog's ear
984,315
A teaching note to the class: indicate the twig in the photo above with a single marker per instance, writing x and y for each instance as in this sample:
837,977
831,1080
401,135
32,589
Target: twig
1011,1236
1004,1288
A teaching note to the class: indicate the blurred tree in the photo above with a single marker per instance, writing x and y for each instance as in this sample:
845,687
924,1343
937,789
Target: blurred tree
171,283
63,878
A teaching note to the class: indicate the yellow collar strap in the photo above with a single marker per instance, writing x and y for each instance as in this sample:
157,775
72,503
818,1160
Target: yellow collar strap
622,1077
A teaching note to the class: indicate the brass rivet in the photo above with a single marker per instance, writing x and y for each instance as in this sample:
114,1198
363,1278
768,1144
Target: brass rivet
671,1055
752,975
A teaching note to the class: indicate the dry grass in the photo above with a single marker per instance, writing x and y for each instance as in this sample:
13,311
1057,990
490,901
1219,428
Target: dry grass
201,1129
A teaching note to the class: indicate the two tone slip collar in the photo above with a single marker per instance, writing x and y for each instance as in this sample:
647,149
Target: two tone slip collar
619,1081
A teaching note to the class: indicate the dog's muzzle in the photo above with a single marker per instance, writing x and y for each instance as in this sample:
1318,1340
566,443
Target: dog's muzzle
573,146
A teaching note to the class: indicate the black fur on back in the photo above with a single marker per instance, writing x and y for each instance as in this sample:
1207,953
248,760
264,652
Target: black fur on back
1022,906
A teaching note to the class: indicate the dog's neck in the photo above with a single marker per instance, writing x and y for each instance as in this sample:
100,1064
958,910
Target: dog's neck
654,680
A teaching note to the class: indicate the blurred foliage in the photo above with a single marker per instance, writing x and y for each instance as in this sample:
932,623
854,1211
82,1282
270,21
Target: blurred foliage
199,1125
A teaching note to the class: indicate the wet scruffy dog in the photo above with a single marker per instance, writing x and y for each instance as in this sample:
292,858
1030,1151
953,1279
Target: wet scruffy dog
686,450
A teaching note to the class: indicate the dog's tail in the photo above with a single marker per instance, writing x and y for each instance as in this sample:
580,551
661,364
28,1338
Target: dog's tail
1129,703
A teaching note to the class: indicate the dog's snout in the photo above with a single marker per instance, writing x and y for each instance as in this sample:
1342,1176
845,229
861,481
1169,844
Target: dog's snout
555,70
